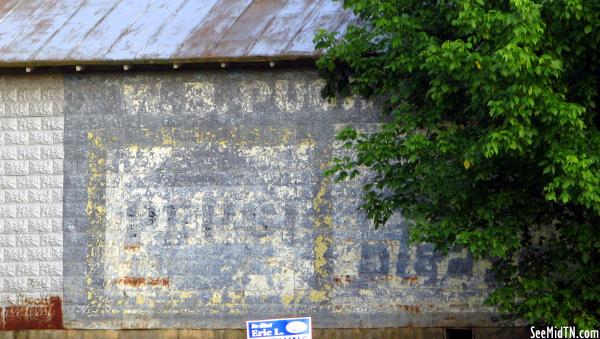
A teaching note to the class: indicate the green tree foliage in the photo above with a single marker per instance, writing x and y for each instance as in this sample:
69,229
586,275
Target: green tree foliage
492,140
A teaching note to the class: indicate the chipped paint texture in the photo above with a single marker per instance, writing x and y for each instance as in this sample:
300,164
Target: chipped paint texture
31,195
196,200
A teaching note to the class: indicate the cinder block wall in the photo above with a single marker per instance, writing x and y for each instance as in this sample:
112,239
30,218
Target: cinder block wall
31,196
196,200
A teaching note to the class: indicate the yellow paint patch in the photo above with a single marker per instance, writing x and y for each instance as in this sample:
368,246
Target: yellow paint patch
95,211
167,139
185,294
90,205
202,136
96,141
216,299
150,302
316,296
287,299
272,262
287,134
133,149
365,293
235,296
307,143
321,245
318,200
139,299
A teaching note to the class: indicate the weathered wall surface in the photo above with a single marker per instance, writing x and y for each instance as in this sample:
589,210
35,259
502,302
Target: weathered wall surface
31,179
326,333
197,200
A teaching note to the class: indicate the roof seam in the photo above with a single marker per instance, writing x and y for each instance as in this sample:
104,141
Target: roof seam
178,50
17,4
249,48
160,28
216,45
124,32
93,27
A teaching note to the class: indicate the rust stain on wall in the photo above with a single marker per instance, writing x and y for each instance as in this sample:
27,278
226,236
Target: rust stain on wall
132,248
416,309
342,279
141,281
45,313
409,279
412,279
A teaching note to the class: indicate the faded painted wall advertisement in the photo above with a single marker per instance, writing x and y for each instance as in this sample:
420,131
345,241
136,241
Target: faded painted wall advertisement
197,200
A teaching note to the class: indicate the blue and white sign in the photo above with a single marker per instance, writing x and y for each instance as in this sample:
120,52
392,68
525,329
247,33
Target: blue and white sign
289,328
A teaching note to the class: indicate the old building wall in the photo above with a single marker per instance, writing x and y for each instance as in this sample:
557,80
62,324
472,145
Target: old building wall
196,200
31,178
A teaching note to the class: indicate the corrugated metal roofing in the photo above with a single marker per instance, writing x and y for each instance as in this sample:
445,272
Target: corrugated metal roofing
104,31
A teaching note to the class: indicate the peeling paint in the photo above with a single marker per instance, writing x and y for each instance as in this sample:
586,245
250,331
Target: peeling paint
321,246
44,313
316,296
140,281
205,198
290,102
216,299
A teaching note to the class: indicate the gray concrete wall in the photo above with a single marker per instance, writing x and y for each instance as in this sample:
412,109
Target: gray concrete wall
196,200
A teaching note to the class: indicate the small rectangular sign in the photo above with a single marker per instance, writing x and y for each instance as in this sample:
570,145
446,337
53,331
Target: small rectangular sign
288,328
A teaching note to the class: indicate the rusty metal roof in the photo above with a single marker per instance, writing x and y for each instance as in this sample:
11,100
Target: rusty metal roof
62,32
